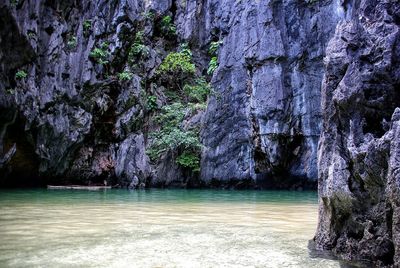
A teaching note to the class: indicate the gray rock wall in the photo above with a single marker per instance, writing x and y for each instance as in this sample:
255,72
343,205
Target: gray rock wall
358,150
71,118
80,120
264,121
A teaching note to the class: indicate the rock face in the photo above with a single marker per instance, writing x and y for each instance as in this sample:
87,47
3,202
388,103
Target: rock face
131,159
358,153
263,125
79,121
67,116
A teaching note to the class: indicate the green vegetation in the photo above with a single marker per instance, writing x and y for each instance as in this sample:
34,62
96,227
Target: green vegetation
214,46
87,26
151,103
21,74
173,96
173,138
72,42
178,64
213,51
14,3
212,66
176,70
199,91
138,48
197,106
148,15
189,160
125,76
187,95
167,26
101,54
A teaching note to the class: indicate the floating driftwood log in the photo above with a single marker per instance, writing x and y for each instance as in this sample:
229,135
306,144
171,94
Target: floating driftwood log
77,187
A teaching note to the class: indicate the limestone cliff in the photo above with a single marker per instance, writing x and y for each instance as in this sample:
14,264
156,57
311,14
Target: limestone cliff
77,120
265,122
358,153
82,99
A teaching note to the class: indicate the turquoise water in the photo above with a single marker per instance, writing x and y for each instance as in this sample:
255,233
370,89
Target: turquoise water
157,228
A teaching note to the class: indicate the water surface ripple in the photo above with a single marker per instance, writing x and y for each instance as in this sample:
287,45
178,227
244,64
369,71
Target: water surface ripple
157,228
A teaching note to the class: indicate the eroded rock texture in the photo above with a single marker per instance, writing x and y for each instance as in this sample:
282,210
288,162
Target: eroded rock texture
263,124
70,118
78,120
359,148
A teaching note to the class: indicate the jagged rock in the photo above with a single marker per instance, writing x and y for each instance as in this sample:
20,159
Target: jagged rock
131,161
393,188
358,151
168,174
4,160
129,96
67,102
264,121
92,165
59,131
129,121
76,118
134,182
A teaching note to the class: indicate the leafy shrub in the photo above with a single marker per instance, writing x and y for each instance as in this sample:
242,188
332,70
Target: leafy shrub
151,103
138,48
167,26
87,26
172,137
139,38
214,46
21,74
100,54
173,140
172,96
125,76
177,63
213,51
189,160
184,49
212,66
172,115
199,91
197,106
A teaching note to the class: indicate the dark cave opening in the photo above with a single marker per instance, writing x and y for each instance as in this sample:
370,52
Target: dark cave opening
380,104
23,168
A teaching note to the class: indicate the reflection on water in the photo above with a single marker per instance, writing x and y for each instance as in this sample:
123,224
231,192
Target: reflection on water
157,228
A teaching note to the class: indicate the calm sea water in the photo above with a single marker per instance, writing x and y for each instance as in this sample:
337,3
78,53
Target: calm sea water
157,228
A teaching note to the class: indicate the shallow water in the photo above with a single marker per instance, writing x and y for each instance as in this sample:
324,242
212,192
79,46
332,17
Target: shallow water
157,228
